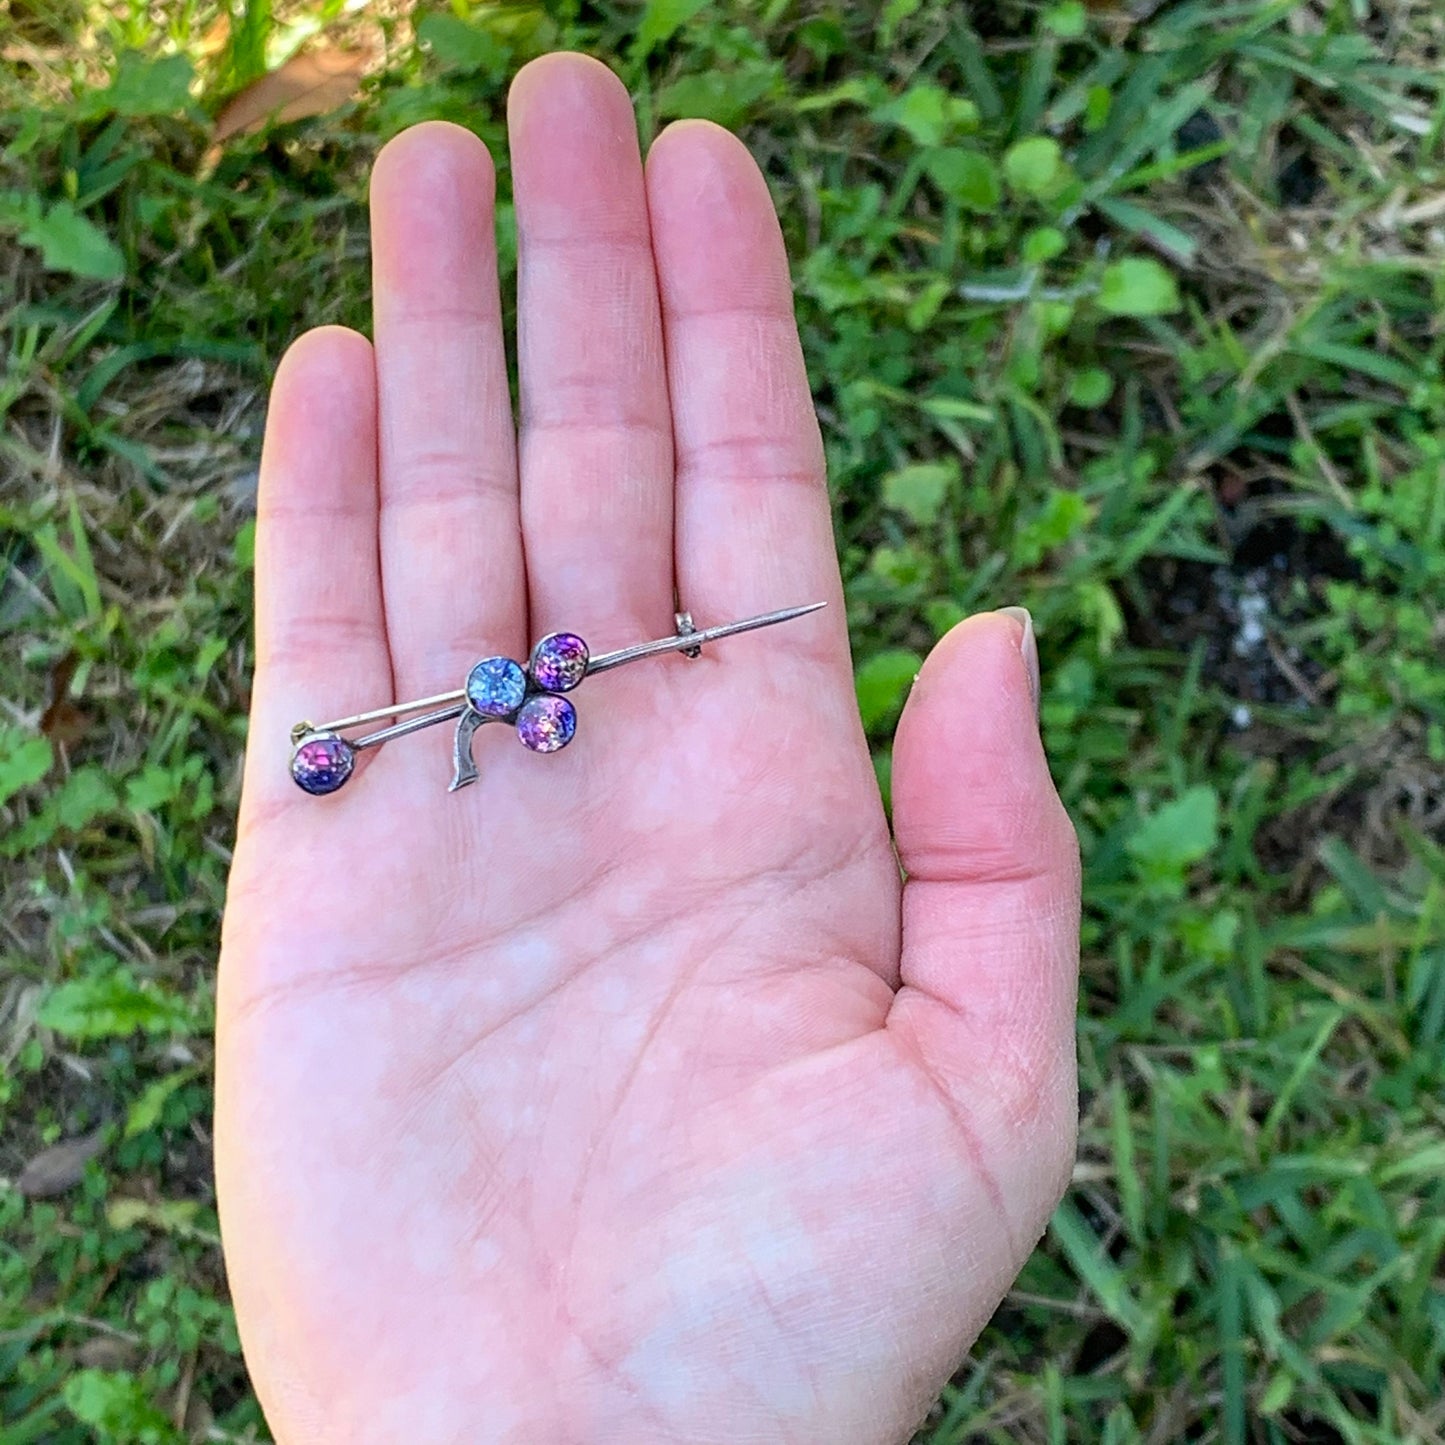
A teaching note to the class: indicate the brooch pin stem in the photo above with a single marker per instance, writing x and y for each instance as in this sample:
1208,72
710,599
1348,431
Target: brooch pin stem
499,689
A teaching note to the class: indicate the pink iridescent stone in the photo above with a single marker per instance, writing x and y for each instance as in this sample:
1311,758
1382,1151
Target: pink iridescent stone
546,723
559,662
322,764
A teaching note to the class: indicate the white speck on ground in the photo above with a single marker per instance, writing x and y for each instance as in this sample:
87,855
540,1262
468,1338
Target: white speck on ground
1253,607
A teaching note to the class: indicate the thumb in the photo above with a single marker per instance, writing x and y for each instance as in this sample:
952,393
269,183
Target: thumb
990,913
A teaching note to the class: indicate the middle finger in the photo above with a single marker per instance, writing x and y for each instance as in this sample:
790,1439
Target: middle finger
596,431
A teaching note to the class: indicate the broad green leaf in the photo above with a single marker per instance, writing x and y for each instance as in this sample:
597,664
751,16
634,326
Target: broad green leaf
146,1112
725,98
968,177
1277,1393
1179,833
462,47
1069,20
1043,245
922,110
895,12
170,1216
1063,514
1091,388
918,491
929,114
153,787
857,90
18,208
905,567
142,86
67,241
661,20
110,1005
115,1402
1034,167
1100,613
883,682
244,548
1138,286
25,758
86,794
943,614
925,306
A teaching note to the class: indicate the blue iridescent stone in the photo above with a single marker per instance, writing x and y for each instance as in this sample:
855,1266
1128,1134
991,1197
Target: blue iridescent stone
321,764
496,686
546,723
559,662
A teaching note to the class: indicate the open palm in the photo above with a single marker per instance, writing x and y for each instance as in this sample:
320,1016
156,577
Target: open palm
628,1095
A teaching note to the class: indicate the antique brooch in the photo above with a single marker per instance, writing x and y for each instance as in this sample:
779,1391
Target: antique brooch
531,698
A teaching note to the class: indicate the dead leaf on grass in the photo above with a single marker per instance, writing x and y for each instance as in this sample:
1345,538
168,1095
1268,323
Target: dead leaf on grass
106,1352
213,39
62,722
60,1167
312,83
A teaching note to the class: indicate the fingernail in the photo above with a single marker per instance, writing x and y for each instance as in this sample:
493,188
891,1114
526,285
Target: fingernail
1028,647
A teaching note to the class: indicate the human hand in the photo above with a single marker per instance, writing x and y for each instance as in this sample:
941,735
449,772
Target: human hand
628,1095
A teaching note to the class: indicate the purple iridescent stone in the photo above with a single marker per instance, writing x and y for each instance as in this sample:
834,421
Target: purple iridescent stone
546,723
322,764
496,686
559,662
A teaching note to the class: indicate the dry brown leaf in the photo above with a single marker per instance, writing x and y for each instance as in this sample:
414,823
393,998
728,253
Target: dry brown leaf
312,83
213,40
60,1167
62,722
106,1352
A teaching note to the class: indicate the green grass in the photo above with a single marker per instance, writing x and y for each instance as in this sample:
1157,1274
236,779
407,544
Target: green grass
1134,321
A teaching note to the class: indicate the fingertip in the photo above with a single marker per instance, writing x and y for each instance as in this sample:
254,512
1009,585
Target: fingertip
432,153
972,793
715,230
324,389
700,174
321,350
566,83
706,154
433,188
984,654
576,162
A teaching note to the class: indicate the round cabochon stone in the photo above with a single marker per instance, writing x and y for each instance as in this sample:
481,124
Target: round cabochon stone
496,686
322,764
547,723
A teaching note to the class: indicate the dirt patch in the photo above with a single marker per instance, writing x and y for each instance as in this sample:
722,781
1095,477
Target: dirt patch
1244,610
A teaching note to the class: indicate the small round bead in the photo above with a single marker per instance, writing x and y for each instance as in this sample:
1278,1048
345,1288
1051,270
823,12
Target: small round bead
496,686
559,662
546,723
321,764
